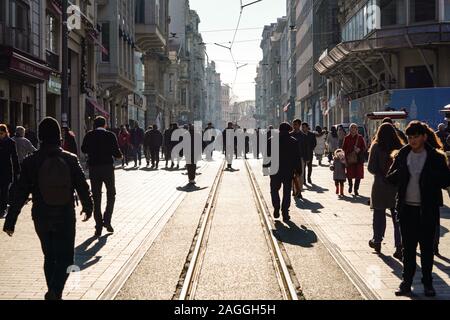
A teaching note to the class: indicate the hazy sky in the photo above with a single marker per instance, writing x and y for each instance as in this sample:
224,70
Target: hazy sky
223,15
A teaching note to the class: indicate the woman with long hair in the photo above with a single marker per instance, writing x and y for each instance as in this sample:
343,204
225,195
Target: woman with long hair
383,197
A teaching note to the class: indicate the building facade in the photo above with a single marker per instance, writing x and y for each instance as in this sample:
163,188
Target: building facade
394,55
213,98
116,65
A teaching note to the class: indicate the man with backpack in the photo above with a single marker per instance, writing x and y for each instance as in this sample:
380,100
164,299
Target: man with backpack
102,147
52,176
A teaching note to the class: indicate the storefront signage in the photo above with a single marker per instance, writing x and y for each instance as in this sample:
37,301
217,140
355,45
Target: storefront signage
54,85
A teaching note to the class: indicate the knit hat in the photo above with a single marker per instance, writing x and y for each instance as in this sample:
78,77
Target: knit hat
49,131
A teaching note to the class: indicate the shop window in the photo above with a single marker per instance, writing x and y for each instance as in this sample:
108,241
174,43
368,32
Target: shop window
423,10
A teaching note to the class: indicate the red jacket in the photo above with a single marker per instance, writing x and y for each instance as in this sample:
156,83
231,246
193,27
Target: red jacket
124,139
355,171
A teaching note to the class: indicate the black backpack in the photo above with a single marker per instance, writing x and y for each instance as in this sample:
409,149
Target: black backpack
55,181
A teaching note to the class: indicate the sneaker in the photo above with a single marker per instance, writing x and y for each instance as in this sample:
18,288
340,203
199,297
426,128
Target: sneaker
276,213
374,245
398,254
403,290
429,291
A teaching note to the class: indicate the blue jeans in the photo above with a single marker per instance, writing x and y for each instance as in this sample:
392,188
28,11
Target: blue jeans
379,226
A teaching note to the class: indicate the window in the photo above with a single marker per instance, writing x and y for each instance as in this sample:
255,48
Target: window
20,24
2,11
105,41
423,10
51,36
140,11
393,12
446,10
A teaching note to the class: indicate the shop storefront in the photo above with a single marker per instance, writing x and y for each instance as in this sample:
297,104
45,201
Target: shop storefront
20,73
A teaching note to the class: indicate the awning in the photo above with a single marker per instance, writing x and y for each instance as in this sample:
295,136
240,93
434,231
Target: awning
28,67
394,115
99,108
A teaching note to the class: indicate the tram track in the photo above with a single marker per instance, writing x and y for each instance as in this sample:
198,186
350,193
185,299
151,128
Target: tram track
190,275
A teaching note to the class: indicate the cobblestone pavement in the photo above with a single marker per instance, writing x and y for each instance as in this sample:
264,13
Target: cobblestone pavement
145,202
345,227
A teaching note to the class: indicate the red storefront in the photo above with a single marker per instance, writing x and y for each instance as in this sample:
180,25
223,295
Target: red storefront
20,74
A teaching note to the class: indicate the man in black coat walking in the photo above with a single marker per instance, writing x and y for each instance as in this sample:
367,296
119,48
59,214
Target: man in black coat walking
54,224
153,140
310,145
9,167
289,157
420,172
102,147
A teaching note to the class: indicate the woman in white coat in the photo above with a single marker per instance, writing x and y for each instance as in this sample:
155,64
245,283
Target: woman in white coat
321,146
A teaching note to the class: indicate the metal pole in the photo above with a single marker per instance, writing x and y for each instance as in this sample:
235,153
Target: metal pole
65,66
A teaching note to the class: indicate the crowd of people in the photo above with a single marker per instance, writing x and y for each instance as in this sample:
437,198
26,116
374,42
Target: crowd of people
410,170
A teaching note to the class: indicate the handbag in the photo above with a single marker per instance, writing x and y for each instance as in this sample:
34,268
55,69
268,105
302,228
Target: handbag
352,157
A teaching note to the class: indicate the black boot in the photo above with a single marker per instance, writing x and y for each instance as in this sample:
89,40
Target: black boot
429,291
375,245
276,213
403,290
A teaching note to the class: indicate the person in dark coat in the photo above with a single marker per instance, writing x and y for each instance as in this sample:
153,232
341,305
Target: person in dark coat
309,145
54,225
420,172
289,157
31,135
153,141
299,176
228,155
354,143
192,155
137,140
102,148
69,143
168,144
9,167
383,193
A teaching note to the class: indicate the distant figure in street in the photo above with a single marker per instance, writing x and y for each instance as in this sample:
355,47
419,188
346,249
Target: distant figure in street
153,141
321,144
192,155
9,167
228,155
310,145
289,158
420,172
31,135
124,140
332,143
169,144
384,194
23,145
354,148
137,140
69,143
299,172
338,168
102,147
208,139
443,134
400,133
52,175
341,136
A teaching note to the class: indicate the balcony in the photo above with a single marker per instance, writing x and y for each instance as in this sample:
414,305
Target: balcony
52,60
149,32
15,37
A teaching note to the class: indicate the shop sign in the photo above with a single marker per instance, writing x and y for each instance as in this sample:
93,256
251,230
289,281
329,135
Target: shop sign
54,85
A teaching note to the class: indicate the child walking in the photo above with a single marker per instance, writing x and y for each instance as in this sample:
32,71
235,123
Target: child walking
338,169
